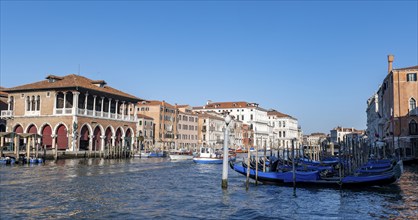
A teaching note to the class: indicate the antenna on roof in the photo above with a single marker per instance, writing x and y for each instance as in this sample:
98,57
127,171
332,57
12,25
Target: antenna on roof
78,69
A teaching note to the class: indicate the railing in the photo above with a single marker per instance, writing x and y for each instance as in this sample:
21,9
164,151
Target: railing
80,111
6,113
32,113
63,111
413,111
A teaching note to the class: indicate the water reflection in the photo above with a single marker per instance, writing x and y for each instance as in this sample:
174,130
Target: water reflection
158,188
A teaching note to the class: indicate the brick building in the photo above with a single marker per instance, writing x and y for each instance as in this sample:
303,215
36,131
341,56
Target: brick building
392,111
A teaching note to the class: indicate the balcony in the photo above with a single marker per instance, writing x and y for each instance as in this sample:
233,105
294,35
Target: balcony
95,114
7,114
413,111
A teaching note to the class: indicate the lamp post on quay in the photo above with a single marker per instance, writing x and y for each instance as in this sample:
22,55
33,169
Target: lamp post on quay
225,157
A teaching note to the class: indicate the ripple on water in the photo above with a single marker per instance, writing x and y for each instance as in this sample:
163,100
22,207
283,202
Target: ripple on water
158,188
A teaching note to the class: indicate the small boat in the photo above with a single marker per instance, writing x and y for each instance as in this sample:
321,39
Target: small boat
181,155
209,156
156,154
7,160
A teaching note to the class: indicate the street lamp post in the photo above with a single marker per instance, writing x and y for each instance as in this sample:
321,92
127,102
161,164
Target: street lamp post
225,158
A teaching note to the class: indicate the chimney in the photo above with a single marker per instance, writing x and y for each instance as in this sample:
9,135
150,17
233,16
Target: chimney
209,102
390,61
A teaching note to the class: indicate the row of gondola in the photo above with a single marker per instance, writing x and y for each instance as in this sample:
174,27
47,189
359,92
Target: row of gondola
23,160
327,173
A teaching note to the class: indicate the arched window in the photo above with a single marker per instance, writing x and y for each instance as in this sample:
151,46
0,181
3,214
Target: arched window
413,128
38,103
60,100
33,103
27,103
12,103
412,104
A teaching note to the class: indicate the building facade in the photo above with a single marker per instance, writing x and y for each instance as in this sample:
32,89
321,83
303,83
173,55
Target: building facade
3,107
286,128
187,128
338,134
248,113
145,128
395,106
165,116
72,113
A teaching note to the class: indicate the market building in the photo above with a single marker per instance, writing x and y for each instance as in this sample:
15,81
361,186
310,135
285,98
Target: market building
72,113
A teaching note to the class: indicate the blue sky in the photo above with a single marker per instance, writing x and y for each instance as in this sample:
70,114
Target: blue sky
318,61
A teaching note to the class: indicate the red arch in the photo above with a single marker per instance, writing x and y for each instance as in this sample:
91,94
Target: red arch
108,135
118,137
18,129
32,129
62,139
46,137
84,138
97,141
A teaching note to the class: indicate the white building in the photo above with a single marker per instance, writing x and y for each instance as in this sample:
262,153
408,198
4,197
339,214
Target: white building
248,113
338,133
373,119
286,127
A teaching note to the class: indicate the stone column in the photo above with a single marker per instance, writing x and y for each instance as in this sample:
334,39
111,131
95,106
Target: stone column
135,112
129,110
123,110
102,143
123,141
94,105
113,140
116,109
85,103
110,105
55,103
91,143
65,102
75,102
101,114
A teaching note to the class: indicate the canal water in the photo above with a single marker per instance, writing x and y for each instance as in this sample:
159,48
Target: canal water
159,188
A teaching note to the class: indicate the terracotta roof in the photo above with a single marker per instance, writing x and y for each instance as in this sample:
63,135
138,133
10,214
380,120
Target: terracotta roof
207,115
71,81
155,102
217,105
278,114
408,68
182,106
144,116
2,93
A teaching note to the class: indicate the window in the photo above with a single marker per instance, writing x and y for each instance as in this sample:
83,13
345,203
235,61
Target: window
284,124
12,102
410,77
27,103
251,117
413,129
48,94
38,103
33,102
242,117
140,122
284,134
412,104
